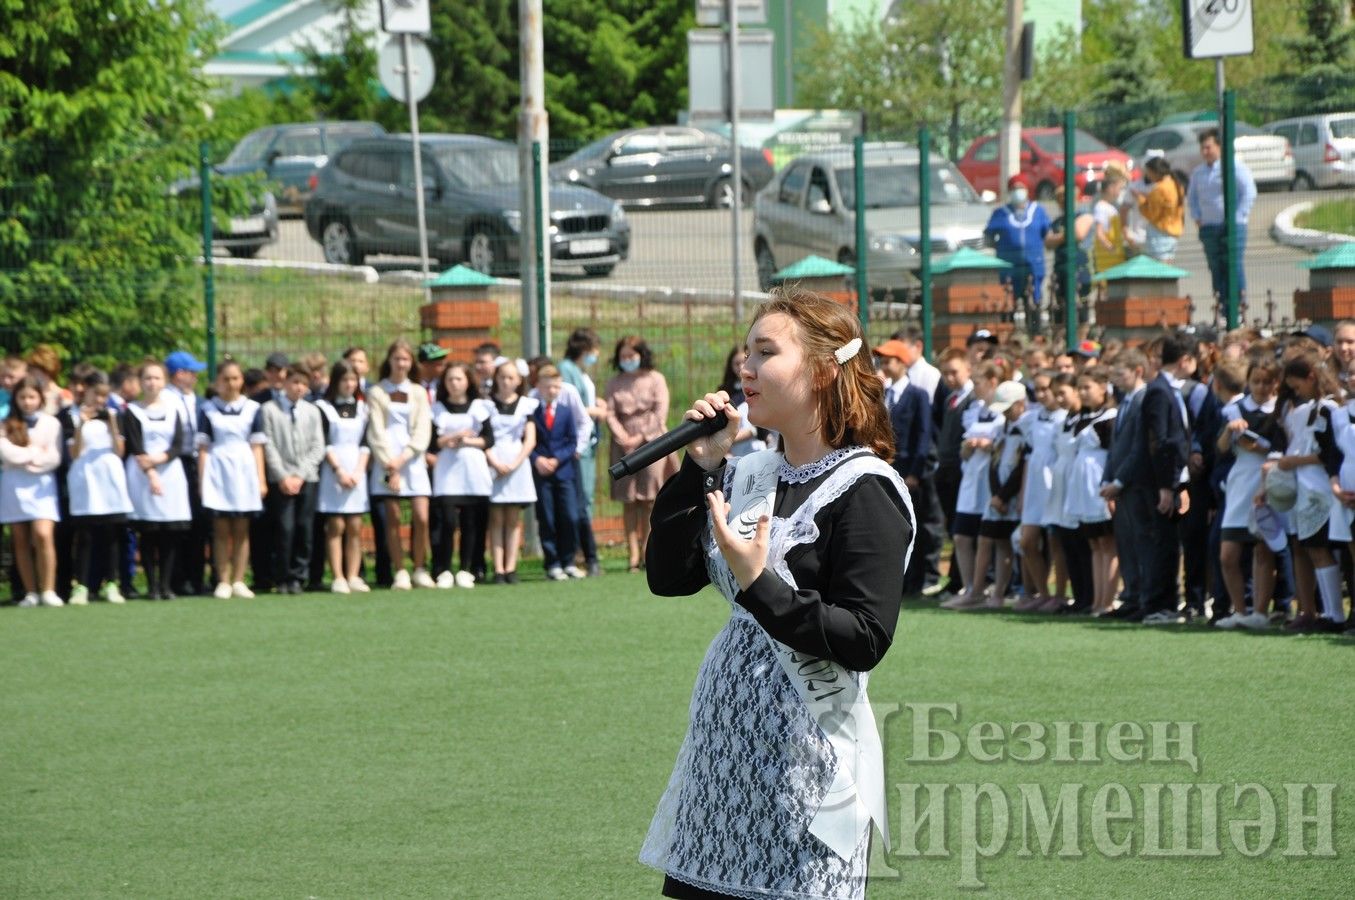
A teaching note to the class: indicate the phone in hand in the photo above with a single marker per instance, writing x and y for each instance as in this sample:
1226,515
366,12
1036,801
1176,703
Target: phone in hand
1256,439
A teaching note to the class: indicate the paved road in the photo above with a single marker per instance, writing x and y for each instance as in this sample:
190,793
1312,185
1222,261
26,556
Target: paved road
691,249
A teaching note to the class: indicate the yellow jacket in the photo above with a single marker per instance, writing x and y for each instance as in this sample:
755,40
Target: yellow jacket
1163,207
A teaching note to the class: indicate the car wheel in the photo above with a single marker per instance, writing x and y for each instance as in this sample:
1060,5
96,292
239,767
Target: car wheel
846,257
1302,182
722,195
1044,191
599,271
244,252
766,266
340,248
482,252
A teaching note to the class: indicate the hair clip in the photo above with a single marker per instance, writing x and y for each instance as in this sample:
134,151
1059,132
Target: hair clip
847,351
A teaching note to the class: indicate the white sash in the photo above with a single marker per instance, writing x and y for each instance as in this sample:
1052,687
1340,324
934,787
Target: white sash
830,694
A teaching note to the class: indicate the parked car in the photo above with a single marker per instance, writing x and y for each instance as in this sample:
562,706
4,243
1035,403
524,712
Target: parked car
363,203
244,234
665,164
1041,161
1266,156
287,155
809,208
1323,146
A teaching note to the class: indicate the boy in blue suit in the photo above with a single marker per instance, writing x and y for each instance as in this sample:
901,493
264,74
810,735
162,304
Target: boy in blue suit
555,470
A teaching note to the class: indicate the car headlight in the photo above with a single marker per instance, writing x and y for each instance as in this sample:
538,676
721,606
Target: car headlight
618,213
891,243
514,219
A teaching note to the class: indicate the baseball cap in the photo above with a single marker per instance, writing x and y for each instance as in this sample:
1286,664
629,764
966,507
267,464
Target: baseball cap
181,360
1015,182
1317,333
276,361
1089,349
1008,393
894,348
981,334
430,352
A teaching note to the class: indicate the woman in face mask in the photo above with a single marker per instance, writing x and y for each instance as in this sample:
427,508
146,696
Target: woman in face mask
1017,231
637,412
581,354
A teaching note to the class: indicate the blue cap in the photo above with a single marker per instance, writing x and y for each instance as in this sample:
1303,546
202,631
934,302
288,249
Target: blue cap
182,359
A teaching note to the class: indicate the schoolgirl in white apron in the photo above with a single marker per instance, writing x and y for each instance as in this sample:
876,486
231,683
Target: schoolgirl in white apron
97,485
513,488
154,430
1094,430
1040,426
462,481
342,496
30,452
231,466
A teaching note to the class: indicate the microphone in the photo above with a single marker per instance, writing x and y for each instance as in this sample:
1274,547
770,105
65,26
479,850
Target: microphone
646,455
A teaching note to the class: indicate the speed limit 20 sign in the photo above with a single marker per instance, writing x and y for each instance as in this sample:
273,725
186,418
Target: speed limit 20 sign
1214,28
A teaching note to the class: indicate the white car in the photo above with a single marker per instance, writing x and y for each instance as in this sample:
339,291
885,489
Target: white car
1268,157
1324,148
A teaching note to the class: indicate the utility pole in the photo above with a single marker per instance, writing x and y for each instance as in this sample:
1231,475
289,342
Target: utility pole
736,154
533,128
1009,138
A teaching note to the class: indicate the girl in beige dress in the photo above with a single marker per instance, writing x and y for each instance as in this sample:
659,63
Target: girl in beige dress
637,411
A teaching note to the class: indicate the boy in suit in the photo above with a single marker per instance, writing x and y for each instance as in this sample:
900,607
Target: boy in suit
555,470
292,457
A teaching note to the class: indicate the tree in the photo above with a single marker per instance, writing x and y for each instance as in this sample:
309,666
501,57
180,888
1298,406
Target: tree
344,85
101,108
1128,93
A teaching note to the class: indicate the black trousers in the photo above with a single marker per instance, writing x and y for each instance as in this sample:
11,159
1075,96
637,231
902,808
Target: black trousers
92,541
290,526
459,515
1193,532
193,543
1126,548
382,560
159,549
1156,551
947,493
930,531
1077,556
587,543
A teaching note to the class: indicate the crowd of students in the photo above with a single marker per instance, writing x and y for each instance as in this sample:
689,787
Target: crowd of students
1185,479
269,475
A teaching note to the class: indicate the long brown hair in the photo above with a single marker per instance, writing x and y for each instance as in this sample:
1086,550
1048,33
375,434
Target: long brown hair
16,427
850,397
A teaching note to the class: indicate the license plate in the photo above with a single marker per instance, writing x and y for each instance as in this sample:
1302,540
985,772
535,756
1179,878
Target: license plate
590,246
245,226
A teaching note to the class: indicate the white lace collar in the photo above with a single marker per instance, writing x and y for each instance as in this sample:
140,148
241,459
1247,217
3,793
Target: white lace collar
809,471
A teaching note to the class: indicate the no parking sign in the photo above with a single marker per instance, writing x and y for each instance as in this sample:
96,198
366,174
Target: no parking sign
1214,28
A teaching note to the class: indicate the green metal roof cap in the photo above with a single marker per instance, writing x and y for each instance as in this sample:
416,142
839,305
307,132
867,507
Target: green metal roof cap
461,276
1342,256
967,258
813,267
1140,267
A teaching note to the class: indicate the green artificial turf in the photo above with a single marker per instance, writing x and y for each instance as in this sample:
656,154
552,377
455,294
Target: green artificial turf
512,742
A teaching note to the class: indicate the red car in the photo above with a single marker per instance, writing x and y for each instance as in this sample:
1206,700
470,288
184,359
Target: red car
1041,161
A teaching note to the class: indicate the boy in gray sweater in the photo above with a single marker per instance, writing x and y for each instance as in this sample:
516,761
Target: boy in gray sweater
292,457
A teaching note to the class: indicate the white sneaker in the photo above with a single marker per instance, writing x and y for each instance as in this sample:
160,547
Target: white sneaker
29,601
222,592
50,598
111,593
340,587
79,595
555,573
401,581
446,580
1254,621
574,572
241,590
1228,623
423,580
358,586
465,579
1164,617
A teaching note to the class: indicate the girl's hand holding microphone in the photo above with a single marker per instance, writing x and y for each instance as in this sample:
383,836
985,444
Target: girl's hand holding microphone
709,451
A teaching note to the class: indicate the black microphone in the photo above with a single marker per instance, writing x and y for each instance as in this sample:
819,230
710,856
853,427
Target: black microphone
646,455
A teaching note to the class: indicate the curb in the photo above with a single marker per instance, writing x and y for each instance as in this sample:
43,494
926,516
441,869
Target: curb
365,274
1284,231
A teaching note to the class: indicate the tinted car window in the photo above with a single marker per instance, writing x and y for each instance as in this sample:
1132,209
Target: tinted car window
1342,128
793,184
986,152
894,185
251,148
477,167
640,142
1288,132
371,165
1308,134
818,188
338,138
300,143
1053,142
685,139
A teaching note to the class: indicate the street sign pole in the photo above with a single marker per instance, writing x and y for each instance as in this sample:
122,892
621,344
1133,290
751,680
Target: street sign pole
418,158
736,162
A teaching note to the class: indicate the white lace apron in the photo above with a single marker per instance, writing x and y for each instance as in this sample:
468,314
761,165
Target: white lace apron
781,770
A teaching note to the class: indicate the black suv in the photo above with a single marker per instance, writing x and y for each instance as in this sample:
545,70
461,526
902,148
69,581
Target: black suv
363,203
287,156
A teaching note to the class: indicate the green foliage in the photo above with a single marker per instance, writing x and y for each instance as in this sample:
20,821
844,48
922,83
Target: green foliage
344,85
96,123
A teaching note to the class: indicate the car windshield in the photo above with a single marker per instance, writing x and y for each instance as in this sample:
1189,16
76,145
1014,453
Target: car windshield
597,148
1052,142
1343,128
477,167
250,149
894,185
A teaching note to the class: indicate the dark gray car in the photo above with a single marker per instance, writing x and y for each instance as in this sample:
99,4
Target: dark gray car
665,164
364,204
289,155
809,209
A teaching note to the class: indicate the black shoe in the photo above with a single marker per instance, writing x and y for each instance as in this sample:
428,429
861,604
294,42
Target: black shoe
1327,626
511,577
500,578
594,570
1073,609
166,595
295,588
313,588
1125,614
